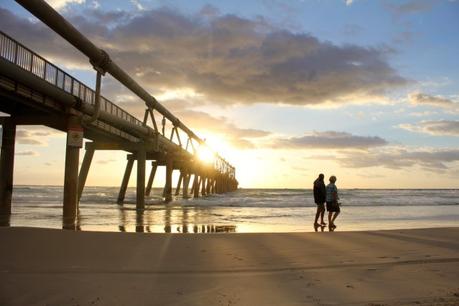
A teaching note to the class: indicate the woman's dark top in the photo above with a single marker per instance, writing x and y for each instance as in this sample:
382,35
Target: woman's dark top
319,191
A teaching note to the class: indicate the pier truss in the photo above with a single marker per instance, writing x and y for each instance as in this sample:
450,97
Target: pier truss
34,91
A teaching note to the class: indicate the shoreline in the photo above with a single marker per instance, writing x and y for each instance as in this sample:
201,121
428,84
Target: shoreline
389,267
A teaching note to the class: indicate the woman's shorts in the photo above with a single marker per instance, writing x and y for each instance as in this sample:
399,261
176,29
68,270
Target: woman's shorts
333,207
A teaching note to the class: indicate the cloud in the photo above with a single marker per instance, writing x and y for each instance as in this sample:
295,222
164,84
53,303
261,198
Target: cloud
352,29
410,7
137,5
226,59
398,158
238,137
437,101
105,161
26,153
39,38
348,2
59,4
329,140
29,138
35,135
437,128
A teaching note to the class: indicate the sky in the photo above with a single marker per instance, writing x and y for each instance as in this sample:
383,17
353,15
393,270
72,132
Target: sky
284,90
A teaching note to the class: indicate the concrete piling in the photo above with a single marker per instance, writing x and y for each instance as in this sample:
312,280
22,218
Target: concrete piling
6,169
72,154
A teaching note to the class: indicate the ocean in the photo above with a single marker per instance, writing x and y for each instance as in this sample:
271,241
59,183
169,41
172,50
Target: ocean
245,210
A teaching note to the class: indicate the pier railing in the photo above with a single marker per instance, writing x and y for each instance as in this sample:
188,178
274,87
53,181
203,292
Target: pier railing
20,55
30,61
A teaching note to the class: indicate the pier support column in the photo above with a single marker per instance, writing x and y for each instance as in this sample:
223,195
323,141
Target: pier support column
168,186
140,191
196,185
212,186
89,154
179,183
6,170
125,182
203,189
154,166
209,183
186,181
72,155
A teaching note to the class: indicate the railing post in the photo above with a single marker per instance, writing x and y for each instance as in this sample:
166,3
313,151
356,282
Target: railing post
6,170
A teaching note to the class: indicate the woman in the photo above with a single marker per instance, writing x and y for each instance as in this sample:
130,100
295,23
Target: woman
332,202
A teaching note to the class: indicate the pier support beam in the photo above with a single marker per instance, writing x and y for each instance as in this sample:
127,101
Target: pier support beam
179,183
72,155
154,166
89,154
6,170
209,183
140,192
168,186
125,182
203,189
195,188
186,181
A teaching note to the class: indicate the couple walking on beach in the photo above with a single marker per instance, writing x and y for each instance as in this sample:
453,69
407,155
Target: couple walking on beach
326,194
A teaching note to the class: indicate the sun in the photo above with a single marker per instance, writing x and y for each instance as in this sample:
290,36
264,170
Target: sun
206,155
218,145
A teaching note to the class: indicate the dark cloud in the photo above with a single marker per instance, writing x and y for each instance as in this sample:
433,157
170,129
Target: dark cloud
329,140
425,99
438,128
428,159
35,35
227,59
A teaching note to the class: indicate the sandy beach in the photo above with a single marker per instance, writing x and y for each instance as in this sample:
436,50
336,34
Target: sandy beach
399,267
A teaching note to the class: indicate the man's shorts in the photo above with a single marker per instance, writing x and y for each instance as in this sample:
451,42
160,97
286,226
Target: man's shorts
321,205
333,207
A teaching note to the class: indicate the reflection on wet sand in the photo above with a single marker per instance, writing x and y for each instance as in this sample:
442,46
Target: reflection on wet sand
176,219
321,228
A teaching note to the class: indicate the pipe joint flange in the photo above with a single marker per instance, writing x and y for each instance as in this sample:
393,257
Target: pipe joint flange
102,64
176,123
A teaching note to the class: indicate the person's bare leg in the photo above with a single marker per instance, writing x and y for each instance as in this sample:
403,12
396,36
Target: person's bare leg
317,216
322,213
334,217
330,222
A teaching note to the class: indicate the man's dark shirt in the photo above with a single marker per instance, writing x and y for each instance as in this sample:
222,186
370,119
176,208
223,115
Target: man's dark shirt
319,191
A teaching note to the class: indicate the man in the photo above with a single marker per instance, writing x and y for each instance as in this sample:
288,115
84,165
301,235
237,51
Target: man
332,203
319,199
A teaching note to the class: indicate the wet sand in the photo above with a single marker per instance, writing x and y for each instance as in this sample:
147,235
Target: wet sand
399,267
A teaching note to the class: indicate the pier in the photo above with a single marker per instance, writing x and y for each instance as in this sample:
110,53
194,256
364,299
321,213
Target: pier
33,91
